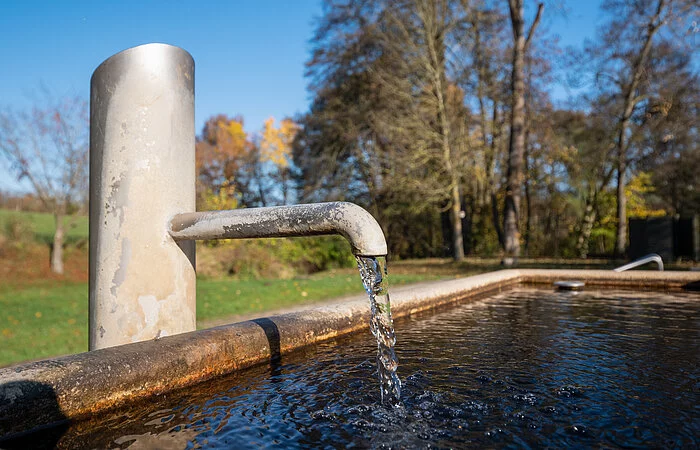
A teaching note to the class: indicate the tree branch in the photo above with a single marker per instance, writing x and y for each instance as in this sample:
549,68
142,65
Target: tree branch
536,22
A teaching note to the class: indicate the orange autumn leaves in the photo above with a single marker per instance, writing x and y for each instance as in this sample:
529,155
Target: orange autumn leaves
221,149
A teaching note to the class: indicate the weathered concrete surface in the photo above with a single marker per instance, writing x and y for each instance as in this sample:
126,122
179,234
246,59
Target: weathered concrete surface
43,392
142,283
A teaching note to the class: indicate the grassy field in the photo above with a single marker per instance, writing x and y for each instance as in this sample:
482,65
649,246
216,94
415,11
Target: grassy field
42,321
43,225
223,298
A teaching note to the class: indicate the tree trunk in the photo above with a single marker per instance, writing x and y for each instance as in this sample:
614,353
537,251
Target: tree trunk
436,50
284,175
623,140
528,212
57,247
526,158
456,219
516,146
483,194
621,236
486,186
584,237
556,236
496,221
490,179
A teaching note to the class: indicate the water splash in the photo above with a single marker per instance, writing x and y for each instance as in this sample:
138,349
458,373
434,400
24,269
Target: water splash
374,277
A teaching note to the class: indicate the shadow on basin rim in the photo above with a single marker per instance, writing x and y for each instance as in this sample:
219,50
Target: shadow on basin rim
272,333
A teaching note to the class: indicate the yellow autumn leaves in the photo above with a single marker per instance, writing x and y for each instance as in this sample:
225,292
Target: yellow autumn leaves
276,143
225,145
235,168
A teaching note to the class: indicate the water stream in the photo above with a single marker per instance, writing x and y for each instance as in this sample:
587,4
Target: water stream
373,272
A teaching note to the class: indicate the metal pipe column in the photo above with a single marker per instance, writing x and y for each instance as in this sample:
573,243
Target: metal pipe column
142,283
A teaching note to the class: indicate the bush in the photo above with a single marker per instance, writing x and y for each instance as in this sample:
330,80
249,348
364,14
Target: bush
318,253
273,258
602,241
17,231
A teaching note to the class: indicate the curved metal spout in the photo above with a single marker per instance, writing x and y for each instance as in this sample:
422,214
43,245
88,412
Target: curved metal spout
347,219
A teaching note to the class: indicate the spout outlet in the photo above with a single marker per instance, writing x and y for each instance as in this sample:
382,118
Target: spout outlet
347,219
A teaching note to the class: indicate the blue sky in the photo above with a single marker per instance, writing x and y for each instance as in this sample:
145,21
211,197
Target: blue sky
249,55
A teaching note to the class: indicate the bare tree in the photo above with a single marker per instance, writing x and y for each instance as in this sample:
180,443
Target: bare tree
516,147
630,101
483,62
387,119
486,54
48,147
428,107
625,74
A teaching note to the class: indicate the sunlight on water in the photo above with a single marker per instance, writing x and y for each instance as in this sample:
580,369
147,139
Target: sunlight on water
374,277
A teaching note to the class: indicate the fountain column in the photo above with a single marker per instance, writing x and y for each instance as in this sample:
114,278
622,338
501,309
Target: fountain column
142,282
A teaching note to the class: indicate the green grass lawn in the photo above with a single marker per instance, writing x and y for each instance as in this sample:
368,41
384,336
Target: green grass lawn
43,225
39,322
43,321
223,298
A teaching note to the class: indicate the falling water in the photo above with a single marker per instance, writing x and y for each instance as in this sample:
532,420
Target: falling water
373,273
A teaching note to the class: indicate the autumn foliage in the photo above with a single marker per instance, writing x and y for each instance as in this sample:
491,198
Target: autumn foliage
238,169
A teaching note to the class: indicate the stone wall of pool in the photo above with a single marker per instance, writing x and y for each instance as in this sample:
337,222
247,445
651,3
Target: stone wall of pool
42,393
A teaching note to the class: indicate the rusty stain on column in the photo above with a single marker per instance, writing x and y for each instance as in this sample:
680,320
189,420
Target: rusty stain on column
142,282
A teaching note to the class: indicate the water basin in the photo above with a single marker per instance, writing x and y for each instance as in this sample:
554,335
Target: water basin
529,367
